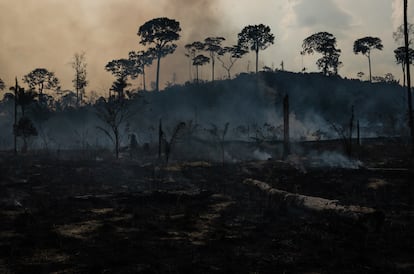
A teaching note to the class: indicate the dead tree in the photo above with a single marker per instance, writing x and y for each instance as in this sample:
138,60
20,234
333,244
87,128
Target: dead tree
407,63
113,112
278,199
286,136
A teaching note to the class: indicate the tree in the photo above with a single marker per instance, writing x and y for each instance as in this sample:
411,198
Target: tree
121,69
200,60
25,129
324,43
400,59
213,46
160,32
79,81
113,112
2,85
365,45
142,59
399,34
192,51
407,63
40,79
233,54
255,38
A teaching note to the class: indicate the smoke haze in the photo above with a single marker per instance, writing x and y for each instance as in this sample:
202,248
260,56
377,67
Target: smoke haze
47,33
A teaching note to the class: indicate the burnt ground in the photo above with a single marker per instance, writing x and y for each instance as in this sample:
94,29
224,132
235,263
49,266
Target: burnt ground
67,216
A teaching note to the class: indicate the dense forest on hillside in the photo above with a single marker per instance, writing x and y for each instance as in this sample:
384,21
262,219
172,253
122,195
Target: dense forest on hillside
251,105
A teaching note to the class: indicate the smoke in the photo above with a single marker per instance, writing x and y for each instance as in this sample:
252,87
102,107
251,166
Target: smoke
49,33
333,159
397,13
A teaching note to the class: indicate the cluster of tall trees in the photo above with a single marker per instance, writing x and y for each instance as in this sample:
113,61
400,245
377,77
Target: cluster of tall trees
160,35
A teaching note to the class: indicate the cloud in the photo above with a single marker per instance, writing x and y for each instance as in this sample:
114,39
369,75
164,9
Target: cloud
320,14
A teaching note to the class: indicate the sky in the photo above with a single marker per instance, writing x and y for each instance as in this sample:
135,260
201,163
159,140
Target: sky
47,34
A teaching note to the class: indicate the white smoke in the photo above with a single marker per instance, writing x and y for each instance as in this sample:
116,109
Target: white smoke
261,155
397,13
334,159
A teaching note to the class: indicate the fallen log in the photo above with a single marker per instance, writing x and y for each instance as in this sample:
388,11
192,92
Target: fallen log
370,218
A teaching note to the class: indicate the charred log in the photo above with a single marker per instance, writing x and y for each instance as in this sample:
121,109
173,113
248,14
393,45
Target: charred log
369,218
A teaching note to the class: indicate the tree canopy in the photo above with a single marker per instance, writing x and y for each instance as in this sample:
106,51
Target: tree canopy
324,43
365,45
161,34
213,46
255,38
41,79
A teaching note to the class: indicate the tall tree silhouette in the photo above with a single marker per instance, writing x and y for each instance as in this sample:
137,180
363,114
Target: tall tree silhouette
256,38
213,46
365,45
198,61
161,33
121,69
113,112
142,59
228,57
399,54
407,63
40,79
193,49
79,81
324,43
2,85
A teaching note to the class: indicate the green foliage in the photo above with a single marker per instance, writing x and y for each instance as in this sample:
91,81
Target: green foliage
324,43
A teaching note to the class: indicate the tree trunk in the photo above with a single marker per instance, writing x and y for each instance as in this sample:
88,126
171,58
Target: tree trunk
143,78
303,204
407,62
212,69
158,74
369,65
116,143
286,137
257,60
403,70
15,118
196,73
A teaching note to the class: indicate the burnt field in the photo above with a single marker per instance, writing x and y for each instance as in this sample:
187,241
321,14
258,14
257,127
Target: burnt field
296,215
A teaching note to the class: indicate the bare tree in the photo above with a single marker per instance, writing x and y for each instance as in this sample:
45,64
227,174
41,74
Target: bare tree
79,81
229,55
407,63
114,112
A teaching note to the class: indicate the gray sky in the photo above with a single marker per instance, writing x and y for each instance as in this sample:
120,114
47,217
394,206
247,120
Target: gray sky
47,33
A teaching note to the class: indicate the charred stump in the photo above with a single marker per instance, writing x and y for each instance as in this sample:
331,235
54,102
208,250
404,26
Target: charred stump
286,137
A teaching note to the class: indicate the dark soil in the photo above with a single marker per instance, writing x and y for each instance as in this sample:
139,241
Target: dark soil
60,216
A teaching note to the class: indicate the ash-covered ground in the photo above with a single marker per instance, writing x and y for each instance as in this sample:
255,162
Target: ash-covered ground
74,213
